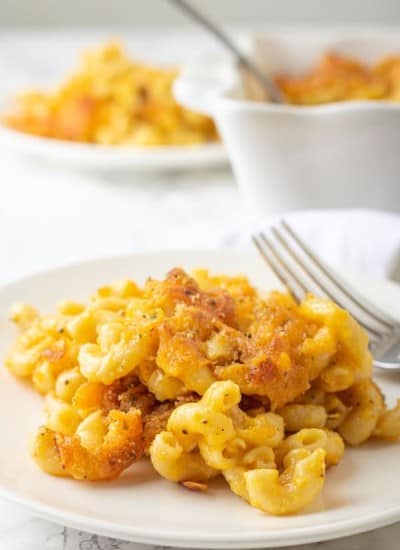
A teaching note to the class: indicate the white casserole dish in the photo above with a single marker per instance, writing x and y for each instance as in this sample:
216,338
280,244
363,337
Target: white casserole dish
287,157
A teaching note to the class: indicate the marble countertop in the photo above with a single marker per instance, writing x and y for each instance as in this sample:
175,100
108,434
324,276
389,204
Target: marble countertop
50,217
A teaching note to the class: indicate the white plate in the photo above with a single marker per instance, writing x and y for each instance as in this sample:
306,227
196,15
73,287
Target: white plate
104,158
362,493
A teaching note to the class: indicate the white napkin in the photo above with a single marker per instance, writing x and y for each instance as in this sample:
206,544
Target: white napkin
355,240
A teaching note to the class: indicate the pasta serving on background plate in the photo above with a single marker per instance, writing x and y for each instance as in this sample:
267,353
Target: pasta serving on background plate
112,100
207,378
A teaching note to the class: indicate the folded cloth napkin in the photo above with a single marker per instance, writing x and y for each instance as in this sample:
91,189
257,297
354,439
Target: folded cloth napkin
354,240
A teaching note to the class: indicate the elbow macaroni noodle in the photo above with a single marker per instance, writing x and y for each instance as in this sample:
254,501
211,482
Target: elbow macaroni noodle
207,378
242,448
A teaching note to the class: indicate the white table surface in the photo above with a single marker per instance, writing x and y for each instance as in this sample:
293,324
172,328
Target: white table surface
48,217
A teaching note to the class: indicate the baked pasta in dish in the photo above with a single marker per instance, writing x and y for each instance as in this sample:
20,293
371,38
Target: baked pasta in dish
206,377
339,78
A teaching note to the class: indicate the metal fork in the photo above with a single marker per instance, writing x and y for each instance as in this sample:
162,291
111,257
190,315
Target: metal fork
301,271
259,82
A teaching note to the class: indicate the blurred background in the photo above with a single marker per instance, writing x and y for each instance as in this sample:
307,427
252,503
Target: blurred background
136,13
101,214
68,26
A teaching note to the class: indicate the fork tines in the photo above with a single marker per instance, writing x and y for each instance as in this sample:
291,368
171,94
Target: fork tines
301,271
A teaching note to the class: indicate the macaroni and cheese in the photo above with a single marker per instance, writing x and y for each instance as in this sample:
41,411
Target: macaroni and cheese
206,377
339,78
111,100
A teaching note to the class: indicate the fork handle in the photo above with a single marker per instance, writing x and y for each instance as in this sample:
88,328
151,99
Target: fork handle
243,61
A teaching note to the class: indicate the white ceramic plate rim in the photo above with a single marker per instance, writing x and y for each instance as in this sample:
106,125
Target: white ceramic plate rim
198,539
168,157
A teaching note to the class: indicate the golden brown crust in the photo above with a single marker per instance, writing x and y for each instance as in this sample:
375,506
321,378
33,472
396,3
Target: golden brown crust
271,362
120,449
128,392
265,361
339,78
179,288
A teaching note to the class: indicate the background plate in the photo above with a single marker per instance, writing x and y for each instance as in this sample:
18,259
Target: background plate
104,158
